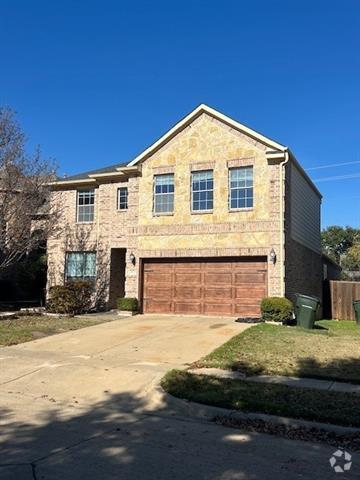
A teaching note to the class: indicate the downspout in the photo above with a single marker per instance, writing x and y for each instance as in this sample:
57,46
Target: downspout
97,218
282,223
97,242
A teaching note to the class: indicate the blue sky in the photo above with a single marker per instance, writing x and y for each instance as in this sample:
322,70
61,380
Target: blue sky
95,82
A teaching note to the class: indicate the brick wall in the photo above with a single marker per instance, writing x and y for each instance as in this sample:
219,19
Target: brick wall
111,229
303,271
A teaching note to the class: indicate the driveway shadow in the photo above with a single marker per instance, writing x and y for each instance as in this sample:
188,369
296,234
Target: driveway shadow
115,439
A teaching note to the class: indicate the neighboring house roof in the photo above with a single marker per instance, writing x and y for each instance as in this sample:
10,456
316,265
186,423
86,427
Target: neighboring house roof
328,259
85,175
275,150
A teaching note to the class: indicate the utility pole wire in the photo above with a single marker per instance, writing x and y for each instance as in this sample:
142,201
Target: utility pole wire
337,177
333,165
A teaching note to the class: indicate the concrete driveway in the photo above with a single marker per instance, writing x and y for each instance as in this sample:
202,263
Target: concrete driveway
82,405
84,366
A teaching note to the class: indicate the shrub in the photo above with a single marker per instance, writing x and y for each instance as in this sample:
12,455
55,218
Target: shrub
128,304
73,298
276,309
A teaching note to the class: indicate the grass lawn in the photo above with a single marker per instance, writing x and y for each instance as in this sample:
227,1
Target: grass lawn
331,351
322,406
24,329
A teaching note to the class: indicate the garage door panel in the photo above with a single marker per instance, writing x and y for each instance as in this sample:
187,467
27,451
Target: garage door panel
211,278
158,292
247,310
157,267
246,301
154,278
187,267
218,308
219,266
157,306
206,286
255,291
191,308
181,292
252,266
217,292
187,278
247,278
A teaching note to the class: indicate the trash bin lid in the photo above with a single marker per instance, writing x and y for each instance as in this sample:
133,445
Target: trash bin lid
309,307
310,297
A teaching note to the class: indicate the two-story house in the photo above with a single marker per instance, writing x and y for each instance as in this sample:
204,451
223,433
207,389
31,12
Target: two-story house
208,220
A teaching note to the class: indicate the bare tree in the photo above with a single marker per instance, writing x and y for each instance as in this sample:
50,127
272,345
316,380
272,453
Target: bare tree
26,217
80,240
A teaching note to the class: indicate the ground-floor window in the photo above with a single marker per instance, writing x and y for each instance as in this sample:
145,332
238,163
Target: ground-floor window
80,265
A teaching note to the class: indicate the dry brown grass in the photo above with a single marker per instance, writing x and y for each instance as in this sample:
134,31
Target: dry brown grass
331,351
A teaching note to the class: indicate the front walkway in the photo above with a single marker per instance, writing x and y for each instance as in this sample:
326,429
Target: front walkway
296,382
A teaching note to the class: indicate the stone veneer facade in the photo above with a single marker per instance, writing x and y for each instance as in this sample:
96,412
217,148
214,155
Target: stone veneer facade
206,143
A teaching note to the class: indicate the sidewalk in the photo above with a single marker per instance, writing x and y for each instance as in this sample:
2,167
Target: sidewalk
280,380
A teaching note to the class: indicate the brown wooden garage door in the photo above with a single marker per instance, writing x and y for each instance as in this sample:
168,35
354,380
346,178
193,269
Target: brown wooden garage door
224,286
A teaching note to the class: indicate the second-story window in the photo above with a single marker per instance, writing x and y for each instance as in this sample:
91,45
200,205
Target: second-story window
85,206
241,186
122,198
202,191
164,193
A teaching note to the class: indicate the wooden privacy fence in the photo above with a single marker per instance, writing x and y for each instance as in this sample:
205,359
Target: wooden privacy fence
342,295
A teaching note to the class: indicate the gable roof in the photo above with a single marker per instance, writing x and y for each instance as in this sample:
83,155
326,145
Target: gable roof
271,144
275,150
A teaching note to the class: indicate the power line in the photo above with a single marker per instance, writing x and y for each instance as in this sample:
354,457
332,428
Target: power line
337,177
337,197
333,165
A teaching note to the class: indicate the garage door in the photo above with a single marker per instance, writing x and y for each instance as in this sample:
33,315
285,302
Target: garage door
212,286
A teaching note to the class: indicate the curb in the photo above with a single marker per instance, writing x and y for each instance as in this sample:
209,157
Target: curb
208,413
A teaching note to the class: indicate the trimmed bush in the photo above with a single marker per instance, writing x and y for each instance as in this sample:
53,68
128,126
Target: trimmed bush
276,309
73,298
128,304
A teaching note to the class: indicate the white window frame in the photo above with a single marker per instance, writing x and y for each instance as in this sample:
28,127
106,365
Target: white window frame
245,188
162,194
207,210
79,207
84,255
126,198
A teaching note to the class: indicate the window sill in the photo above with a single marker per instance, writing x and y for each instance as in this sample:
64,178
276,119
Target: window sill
245,209
165,214
85,223
121,210
80,279
202,212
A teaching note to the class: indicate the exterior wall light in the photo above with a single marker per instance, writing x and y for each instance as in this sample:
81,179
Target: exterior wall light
272,256
132,258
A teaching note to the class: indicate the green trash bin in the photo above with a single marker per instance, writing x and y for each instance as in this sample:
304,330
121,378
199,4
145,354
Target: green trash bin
306,308
356,304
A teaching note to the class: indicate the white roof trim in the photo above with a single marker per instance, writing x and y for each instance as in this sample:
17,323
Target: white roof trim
275,156
69,182
106,174
214,113
127,169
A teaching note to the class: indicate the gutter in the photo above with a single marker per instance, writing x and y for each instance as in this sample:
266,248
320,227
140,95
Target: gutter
282,222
